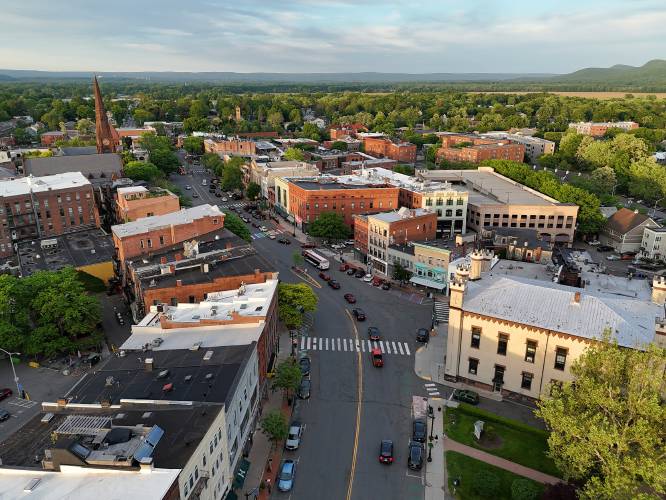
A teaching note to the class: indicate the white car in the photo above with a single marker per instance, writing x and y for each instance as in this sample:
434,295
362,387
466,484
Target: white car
263,228
350,243
337,246
204,182
367,278
595,243
612,257
294,437
225,199
271,236
188,187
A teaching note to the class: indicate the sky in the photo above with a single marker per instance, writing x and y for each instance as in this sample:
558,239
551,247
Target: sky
303,36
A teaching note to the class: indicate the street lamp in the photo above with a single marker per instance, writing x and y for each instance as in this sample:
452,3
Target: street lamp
16,380
654,209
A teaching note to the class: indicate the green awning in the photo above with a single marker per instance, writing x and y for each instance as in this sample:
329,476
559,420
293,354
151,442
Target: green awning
418,280
241,472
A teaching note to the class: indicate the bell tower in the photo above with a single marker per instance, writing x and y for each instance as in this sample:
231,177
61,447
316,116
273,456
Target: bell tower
106,140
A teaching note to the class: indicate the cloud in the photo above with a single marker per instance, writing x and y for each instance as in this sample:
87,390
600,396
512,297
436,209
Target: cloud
168,32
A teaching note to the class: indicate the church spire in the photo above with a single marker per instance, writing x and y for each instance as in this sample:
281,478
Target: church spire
106,142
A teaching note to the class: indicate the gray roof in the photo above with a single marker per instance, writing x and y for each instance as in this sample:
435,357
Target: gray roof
552,307
79,150
183,216
96,165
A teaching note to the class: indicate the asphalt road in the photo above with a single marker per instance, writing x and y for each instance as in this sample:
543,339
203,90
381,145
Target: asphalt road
337,427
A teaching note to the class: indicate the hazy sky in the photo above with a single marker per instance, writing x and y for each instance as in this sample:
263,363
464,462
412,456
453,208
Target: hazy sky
414,36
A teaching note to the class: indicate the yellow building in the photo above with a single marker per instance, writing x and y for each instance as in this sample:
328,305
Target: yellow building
518,336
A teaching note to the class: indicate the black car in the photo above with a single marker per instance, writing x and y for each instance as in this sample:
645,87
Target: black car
304,364
351,271
4,415
304,389
386,285
334,284
422,335
466,396
419,430
359,314
386,451
415,460
359,274
604,248
284,241
373,333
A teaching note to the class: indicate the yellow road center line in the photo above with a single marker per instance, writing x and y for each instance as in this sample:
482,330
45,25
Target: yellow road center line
359,405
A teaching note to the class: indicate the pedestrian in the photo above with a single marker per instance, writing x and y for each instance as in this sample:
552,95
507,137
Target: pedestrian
268,485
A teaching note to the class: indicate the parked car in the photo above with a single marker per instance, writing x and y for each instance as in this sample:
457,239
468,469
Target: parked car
286,476
612,257
304,364
604,248
415,460
195,195
350,298
337,246
254,224
377,281
224,199
188,187
386,285
294,436
374,333
263,228
466,396
218,195
5,393
308,245
422,335
284,240
628,256
4,415
271,236
359,273
377,358
350,243
351,271
594,243
359,314
324,276
419,430
367,278
304,389
334,284
120,319
386,451
343,267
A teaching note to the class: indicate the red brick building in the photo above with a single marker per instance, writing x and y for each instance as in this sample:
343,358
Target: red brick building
361,234
43,207
230,146
310,198
135,202
384,147
339,131
473,149
151,234
50,138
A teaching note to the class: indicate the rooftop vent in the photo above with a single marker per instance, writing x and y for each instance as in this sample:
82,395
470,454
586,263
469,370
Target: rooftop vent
188,378
32,484
119,416
209,376
208,355
163,374
147,414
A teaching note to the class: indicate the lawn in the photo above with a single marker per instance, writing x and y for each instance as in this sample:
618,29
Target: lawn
465,469
503,437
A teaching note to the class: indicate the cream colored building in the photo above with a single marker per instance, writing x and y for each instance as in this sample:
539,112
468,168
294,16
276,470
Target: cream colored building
518,336
282,195
653,244
265,173
534,146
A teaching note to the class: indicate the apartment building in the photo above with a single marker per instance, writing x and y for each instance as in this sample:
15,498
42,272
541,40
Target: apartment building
265,173
598,129
135,202
519,336
427,260
396,228
230,146
42,207
384,147
475,149
534,146
151,234
653,244
496,201
344,195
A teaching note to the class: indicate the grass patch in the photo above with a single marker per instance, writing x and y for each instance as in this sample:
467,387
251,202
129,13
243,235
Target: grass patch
517,442
466,469
91,283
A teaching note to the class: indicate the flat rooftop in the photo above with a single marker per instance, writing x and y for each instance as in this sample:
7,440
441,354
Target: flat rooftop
183,216
193,377
78,249
379,174
402,214
488,187
330,186
30,184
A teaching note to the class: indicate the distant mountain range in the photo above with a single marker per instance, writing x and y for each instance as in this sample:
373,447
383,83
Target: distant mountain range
652,74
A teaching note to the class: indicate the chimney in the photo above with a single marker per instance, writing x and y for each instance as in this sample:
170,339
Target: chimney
179,282
257,272
577,297
179,257
163,260
148,364
228,246
205,267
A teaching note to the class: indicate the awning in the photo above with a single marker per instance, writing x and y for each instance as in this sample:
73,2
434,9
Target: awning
241,472
418,280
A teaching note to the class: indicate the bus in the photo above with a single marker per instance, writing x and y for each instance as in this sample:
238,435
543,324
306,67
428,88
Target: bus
315,259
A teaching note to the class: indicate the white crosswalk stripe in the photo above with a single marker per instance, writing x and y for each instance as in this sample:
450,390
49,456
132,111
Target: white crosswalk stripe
353,345
441,311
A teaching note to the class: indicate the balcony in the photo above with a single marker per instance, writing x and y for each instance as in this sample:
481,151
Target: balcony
199,486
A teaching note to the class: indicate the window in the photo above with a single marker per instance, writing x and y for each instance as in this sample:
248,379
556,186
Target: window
161,240
502,343
530,351
140,242
473,366
150,243
196,472
449,201
526,382
460,201
560,358
476,337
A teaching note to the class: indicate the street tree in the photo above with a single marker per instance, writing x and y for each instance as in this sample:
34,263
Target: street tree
234,224
85,126
293,154
329,225
297,258
287,377
142,171
253,190
232,177
275,427
294,300
339,145
608,427
194,145
400,273
603,179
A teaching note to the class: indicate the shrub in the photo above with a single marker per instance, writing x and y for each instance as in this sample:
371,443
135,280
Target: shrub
486,484
524,489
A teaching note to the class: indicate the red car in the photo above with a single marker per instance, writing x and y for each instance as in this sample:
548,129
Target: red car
377,281
344,267
377,359
386,452
324,276
350,298
5,393
334,284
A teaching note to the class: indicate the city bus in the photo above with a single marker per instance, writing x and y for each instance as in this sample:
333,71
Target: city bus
315,259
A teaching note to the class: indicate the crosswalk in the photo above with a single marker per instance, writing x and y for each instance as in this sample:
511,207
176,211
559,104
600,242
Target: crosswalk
352,345
261,234
24,403
441,311
240,204
432,389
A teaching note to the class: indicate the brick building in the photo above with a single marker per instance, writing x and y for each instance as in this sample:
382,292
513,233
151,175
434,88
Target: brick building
135,202
597,129
234,146
150,234
475,149
332,160
310,197
340,131
384,147
42,207
361,237
50,138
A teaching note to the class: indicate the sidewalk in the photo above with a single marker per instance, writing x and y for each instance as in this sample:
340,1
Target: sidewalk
502,463
435,475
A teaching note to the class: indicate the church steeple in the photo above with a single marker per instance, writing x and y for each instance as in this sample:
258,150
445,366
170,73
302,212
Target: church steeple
104,132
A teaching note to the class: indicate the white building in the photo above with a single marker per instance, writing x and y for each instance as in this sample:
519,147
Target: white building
653,244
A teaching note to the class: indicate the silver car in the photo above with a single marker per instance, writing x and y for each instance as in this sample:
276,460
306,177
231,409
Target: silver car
294,437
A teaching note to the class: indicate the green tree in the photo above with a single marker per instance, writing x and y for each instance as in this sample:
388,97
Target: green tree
165,160
603,179
648,179
569,145
142,171
85,126
213,162
404,169
236,225
232,177
275,427
253,190
194,124
287,377
608,428
524,489
198,109
141,115
293,154
194,145
275,120
293,301
329,225
339,145
311,131
401,274
297,258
